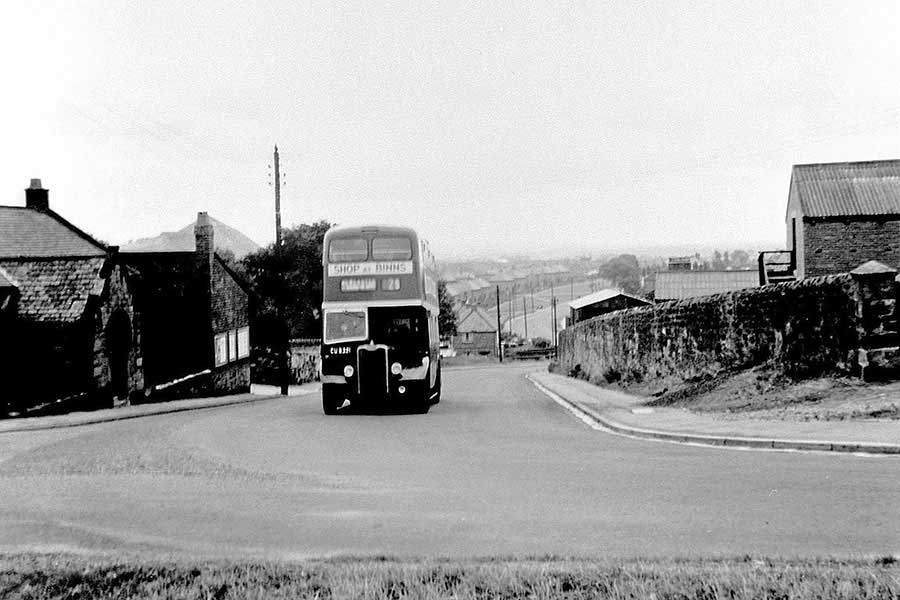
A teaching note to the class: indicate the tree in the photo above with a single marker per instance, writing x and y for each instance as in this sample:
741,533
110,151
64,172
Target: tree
624,272
740,259
446,316
287,282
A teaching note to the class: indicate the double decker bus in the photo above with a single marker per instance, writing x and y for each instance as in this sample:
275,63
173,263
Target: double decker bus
380,342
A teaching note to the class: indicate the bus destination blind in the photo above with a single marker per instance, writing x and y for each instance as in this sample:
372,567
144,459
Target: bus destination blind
356,269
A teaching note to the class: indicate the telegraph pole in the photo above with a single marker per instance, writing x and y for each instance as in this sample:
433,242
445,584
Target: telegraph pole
553,312
499,342
512,308
552,317
277,199
525,314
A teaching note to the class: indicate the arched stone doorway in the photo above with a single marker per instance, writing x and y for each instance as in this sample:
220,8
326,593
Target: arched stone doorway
118,350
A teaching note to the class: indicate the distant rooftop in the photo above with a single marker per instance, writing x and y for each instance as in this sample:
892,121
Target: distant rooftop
600,296
677,285
183,240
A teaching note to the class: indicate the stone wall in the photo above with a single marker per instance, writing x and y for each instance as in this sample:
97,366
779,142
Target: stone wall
229,311
837,246
117,298
233,378
230,303
839,322
305,363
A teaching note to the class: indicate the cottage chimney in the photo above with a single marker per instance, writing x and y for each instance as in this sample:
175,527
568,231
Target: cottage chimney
36,197
203,235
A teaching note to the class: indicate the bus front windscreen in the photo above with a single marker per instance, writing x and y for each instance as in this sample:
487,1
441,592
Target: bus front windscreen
345,325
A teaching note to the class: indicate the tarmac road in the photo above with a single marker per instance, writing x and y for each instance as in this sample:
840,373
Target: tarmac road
495,469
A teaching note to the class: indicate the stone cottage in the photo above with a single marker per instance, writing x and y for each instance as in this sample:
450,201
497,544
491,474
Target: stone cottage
87,325
196,318
68,322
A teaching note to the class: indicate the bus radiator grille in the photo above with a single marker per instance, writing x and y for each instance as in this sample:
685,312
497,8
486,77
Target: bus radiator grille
373,373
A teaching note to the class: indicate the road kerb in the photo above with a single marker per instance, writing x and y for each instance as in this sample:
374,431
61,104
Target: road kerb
24,426
603,423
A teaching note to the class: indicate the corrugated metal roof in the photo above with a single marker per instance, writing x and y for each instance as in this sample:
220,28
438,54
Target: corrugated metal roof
847,189
35,234
676,285
600,296
55,290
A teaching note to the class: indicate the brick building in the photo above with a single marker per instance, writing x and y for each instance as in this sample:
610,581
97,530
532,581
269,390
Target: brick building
68,321
196,318
840,215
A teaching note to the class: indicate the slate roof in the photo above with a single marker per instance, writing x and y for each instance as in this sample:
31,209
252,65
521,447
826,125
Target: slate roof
846,189
25,232
473,319
602,296
676,285
55,290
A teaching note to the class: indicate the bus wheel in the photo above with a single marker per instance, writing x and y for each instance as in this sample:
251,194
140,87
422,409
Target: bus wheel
437,387
332,399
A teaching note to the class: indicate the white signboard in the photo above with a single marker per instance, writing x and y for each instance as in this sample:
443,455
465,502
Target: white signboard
350,269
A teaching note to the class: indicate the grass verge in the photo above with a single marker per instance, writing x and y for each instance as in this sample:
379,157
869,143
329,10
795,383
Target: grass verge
70,576
766,393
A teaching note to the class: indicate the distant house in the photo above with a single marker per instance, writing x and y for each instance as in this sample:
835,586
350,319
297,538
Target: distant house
476,333
677,285
196,316
70,328
683,263
840,215
600,303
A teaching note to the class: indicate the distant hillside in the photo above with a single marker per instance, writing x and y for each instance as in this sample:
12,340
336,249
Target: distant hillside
226,238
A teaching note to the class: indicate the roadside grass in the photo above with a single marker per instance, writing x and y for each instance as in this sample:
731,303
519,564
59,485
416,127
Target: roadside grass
75,576
766,393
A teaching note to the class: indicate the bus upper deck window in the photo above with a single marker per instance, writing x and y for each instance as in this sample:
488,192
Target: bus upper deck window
347,250
391,248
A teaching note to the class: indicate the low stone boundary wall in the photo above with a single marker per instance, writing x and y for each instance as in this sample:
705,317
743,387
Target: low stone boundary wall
305,363
833,323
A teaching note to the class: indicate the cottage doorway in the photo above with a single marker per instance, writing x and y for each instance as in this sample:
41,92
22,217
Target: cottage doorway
118,348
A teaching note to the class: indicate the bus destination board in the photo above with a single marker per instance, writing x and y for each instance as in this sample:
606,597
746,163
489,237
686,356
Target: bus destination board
356,269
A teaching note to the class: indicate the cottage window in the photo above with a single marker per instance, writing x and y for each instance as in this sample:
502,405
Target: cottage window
232,346
467,336
243,342
221,349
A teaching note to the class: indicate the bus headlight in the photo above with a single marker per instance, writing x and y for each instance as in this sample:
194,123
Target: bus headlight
396,368
348,371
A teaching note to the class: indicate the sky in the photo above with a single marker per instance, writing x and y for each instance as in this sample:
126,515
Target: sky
492,128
